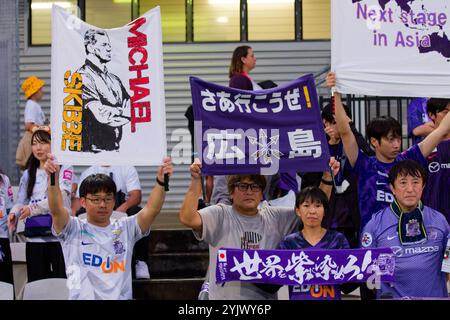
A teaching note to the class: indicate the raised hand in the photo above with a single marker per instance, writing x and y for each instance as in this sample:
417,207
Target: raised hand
50,165
196,169
334,165
166,167
331,79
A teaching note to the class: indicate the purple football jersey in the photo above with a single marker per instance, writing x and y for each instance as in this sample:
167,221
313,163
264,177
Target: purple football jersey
417,265
373,183
417,116
331,240
436,194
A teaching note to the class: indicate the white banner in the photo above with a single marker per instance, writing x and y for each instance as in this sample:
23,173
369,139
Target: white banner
107,92
392,47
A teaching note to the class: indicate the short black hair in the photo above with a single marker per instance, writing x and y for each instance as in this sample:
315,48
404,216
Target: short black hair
313,194
435,105
97,183
407,168
327,112
382,127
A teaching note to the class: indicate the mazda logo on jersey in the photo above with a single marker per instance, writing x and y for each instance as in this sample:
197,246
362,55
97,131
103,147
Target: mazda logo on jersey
107,266
434,167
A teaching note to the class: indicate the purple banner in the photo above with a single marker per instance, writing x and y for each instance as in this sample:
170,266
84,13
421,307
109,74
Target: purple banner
259,132
305,267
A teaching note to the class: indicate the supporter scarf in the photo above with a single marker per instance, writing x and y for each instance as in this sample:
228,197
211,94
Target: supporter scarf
411,228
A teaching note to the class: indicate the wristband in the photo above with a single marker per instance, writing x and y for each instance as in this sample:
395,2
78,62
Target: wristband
327,182
159,182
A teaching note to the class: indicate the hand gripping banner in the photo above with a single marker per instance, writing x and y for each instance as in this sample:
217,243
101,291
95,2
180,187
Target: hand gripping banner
107,99
259,132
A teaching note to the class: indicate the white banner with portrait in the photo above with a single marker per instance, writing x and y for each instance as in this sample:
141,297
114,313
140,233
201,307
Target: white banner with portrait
392,47
107,92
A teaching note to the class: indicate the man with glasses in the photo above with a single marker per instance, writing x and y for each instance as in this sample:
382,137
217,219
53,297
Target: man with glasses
244,225
128,200
98,251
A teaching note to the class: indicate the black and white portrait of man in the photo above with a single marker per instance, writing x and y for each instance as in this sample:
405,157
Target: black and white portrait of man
106,102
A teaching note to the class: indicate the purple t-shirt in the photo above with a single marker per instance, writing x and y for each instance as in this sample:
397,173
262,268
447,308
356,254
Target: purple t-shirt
417,266
436,194
373,182
331,240
417,116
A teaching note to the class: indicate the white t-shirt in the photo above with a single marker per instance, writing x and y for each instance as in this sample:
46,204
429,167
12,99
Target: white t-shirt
39,196
125,177
34,113
6,203
223,227
98,259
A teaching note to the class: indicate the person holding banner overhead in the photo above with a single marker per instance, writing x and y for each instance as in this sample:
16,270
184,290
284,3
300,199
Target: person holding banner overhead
97,251
384,135
242,225
419,124
416,234
43,252
128,200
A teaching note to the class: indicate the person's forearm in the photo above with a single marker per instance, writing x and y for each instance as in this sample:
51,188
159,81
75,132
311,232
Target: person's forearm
118,121
423,130
43,207
209,188
155,200
29,126
342,123
434,138
152,208
56,205
134,199
328,186
190,203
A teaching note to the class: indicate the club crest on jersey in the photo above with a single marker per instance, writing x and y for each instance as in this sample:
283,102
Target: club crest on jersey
412,228
366,239
118,247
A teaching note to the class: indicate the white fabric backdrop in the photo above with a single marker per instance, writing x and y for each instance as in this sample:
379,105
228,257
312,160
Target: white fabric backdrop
147,144
372,55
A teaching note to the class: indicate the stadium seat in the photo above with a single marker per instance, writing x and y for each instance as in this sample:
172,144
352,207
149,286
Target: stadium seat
6,291
18,251
46,289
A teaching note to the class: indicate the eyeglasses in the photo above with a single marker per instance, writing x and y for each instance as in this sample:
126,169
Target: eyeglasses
244,186
97,201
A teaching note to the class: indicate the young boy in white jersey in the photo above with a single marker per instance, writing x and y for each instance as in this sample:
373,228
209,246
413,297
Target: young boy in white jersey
97,251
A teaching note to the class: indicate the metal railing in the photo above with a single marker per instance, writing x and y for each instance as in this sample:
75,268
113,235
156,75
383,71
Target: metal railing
366,108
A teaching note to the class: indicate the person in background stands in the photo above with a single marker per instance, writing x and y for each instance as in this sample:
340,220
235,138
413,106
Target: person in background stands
33,116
